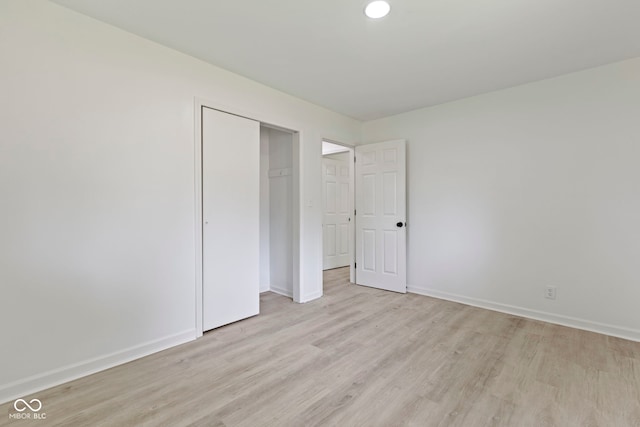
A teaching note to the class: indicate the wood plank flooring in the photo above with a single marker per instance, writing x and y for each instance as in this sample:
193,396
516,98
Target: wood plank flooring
364,357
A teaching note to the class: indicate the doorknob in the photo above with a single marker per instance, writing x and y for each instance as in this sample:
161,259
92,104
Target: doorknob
399,224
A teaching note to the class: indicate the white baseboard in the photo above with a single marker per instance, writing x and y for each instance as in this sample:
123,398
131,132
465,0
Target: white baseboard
68,373
281,291
311,297
287,293
572,322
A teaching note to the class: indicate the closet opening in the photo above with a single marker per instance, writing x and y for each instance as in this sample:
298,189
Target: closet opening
278,188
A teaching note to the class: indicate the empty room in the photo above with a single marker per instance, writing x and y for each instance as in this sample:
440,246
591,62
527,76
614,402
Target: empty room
337,213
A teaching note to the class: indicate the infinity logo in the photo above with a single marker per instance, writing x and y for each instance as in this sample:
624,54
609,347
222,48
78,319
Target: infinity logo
24,405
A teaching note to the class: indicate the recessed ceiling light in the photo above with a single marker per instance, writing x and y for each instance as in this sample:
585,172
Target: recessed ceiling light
377,9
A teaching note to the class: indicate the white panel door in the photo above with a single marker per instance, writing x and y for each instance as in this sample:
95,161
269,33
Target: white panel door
381,216
231,218
336,193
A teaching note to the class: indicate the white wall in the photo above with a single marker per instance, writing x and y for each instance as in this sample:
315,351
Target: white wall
527,187
97,246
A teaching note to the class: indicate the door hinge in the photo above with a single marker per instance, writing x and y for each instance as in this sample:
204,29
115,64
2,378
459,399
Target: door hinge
354,212
355,265
354,159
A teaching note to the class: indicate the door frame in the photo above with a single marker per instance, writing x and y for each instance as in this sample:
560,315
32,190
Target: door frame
199,104
352,207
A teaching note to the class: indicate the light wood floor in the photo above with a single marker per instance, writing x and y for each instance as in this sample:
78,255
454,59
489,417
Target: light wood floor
364,357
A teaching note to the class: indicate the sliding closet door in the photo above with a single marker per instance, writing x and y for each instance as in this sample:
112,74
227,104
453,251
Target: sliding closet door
231,215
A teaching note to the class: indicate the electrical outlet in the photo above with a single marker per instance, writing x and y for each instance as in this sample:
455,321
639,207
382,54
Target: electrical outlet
550,292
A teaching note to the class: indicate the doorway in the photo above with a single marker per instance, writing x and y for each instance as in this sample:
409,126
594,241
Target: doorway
338,207
378,233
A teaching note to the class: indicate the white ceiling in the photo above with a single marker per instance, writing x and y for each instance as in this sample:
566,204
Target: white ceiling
331,148
425,52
